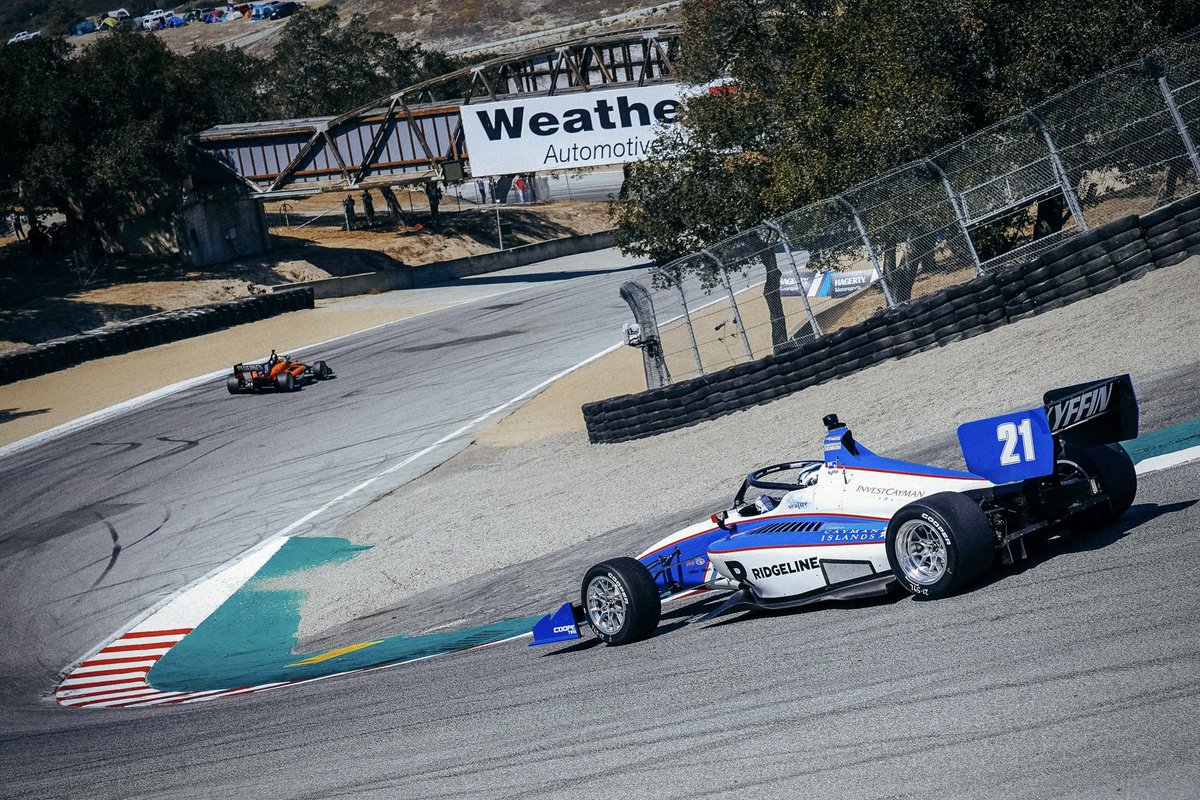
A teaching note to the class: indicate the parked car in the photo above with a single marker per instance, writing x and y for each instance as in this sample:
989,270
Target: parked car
264,10
24,36
156,19
285,9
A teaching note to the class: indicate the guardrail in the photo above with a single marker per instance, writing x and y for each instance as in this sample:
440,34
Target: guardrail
1086,265
125,337
442,271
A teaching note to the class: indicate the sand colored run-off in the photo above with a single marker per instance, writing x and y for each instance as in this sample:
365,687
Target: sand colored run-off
32,406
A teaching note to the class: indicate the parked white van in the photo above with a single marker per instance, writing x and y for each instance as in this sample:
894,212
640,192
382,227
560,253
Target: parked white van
151,20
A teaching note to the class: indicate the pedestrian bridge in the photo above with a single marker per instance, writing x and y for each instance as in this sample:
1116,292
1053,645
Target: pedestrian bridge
416,133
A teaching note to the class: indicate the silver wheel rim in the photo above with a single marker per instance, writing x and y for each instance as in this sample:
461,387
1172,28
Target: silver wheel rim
605,605
920,552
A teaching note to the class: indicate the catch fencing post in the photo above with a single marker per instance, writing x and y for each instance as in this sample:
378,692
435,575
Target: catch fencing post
862,231
737,314
787,246
959,213
687,317
1059,170
1156,73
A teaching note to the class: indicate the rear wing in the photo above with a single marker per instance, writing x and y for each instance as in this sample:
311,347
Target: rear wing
1018,446
1097,412
250,368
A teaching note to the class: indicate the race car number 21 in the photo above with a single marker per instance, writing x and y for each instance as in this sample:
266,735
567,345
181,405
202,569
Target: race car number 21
1012,434
1010,447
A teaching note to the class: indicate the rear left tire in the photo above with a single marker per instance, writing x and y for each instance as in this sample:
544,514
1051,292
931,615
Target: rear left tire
285,382
939,545
233,385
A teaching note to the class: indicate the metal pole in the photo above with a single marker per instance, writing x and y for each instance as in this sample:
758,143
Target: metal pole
1063,180
499,232
862,231
687,318
787,246
737,314
959,213
1169,98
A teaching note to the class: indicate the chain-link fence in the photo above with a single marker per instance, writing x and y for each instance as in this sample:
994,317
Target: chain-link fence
1122,143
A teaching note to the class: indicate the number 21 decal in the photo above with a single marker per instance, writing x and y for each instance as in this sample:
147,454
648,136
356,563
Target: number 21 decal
1011,434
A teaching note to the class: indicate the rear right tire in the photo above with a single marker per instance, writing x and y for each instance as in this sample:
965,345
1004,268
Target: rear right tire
285,382
1112,469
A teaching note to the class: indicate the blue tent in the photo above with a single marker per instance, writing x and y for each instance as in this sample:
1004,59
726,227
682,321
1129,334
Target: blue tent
80,28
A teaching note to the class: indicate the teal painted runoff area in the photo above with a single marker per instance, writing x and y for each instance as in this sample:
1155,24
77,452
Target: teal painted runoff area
1168,440
250,639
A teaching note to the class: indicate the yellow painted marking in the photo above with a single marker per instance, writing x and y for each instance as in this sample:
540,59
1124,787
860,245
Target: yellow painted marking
341,651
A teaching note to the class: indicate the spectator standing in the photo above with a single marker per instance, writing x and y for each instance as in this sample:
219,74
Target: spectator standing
17,229
521,189
434,194
348,206
368,207
481,188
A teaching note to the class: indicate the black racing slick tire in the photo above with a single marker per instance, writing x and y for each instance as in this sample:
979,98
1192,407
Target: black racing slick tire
939,545
233,384
321,370
285,382
620,600
1111,470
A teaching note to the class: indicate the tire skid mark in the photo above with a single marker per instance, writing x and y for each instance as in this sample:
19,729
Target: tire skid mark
116,551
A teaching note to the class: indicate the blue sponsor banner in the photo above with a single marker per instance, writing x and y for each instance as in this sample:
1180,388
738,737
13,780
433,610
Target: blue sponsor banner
828,283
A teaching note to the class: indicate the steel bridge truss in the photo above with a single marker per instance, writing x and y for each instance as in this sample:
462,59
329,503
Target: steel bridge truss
415,134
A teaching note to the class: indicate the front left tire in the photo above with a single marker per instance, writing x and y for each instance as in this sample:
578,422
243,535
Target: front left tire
620,599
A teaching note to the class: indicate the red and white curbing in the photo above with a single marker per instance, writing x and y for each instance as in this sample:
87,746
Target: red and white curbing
115,675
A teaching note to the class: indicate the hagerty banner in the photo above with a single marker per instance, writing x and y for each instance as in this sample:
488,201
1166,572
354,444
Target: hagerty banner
829,283
586,129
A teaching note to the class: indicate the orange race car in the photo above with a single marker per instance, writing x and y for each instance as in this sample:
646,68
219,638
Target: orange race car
276,374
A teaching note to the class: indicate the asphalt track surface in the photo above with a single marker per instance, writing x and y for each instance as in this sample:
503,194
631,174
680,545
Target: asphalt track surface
1069,675
101,524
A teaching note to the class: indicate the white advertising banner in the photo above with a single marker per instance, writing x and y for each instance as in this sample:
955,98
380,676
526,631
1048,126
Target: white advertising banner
587,129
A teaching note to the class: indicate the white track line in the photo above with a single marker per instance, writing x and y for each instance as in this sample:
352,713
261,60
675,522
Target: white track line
447,438
1156,463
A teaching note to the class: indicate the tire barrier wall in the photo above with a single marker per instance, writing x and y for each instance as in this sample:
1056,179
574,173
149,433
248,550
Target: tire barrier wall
1085,265
125,337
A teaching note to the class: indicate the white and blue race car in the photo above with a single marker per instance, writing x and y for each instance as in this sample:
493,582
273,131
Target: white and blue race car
857,525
